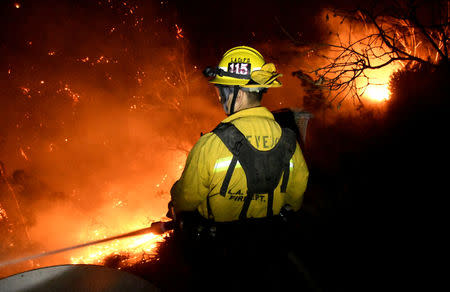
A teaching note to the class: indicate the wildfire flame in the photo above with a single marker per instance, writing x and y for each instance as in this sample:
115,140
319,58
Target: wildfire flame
130,250
378,88
353,44
127,251
62,117
378,92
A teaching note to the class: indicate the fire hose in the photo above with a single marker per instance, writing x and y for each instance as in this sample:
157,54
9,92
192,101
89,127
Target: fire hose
158,227
183,220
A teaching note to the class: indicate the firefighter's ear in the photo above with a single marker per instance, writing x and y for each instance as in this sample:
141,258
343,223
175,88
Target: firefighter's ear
242,97
242,94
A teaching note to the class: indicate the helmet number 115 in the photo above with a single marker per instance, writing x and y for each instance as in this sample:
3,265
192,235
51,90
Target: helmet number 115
239,68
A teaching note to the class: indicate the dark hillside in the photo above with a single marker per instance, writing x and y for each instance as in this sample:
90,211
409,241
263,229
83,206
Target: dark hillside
376,186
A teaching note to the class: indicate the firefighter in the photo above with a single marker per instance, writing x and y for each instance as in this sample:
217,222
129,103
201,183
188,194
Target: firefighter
241,177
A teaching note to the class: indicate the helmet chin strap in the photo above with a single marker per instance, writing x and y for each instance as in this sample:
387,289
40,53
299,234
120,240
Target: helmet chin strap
233,101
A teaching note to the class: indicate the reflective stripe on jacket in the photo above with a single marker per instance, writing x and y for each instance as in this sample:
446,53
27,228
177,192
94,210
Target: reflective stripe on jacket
208,162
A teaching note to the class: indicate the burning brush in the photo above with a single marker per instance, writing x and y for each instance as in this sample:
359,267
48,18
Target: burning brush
156,228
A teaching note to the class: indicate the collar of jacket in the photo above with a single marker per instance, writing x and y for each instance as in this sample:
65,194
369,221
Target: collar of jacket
259,111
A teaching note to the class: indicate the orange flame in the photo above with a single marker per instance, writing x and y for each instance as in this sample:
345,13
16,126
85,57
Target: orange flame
372,84
133,250
378,92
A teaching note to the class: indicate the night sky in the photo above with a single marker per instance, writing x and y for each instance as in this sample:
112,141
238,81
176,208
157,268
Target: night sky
210,26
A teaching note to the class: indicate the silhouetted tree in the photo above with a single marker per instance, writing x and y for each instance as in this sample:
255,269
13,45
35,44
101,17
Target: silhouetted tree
403,32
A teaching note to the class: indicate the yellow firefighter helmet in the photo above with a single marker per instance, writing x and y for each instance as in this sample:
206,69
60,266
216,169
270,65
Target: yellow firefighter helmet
245,67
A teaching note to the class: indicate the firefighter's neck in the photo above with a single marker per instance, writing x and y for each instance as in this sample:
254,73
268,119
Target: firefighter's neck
243,102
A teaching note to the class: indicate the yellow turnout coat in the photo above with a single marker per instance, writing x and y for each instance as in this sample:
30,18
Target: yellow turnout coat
207,164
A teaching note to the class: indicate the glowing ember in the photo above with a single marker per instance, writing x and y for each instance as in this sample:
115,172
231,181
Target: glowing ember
179,32
75,96
3,214
378,92
99,60
26,91
17,5
23,154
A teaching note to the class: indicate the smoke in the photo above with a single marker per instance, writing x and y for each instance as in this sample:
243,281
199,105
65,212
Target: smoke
98,115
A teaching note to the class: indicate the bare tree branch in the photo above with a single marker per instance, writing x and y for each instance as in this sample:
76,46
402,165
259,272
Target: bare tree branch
393,36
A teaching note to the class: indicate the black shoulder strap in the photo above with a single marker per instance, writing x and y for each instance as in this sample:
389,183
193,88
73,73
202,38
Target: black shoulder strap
229,135
263,169
227,179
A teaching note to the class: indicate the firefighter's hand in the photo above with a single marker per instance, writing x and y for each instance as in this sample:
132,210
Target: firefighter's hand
286,212
161,227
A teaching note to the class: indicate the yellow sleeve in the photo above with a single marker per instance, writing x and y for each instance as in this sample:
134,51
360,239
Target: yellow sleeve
298,179
193,186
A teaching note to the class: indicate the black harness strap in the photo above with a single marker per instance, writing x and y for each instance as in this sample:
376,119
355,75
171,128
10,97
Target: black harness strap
233,101
231,137
285,178
247,201
226,181
263,169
